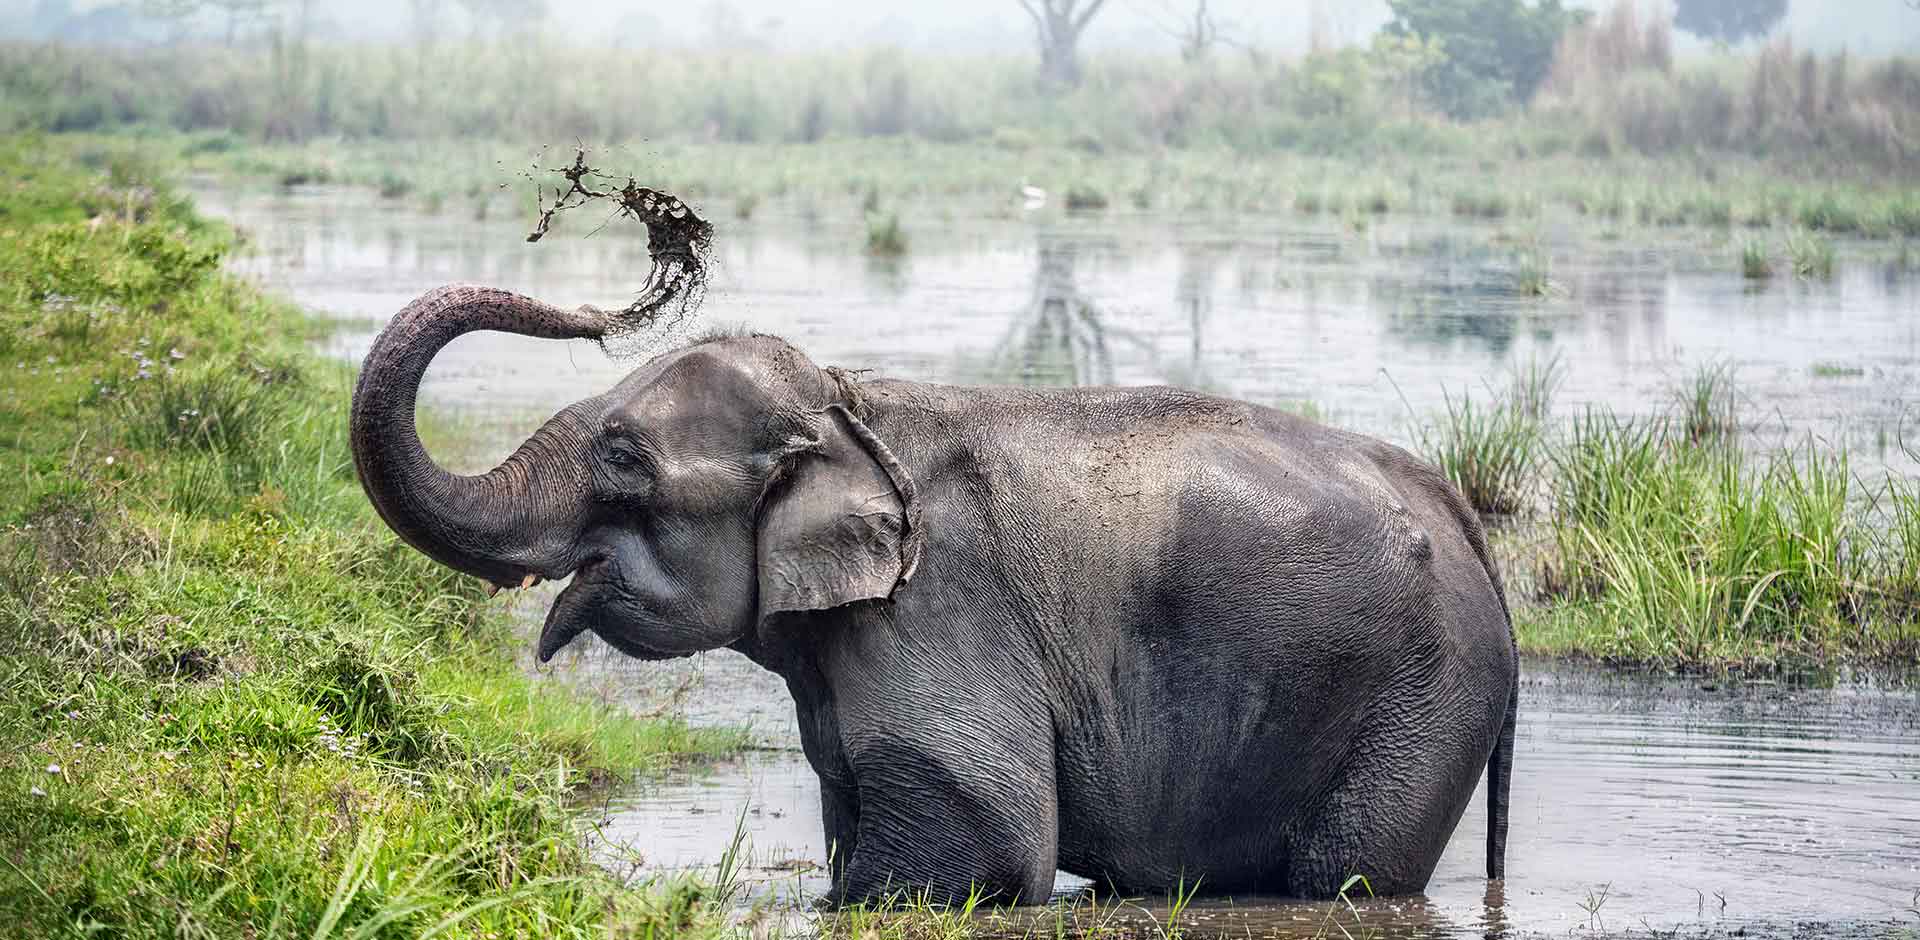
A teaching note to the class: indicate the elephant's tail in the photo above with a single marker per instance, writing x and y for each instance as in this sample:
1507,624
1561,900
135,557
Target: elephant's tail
1499,776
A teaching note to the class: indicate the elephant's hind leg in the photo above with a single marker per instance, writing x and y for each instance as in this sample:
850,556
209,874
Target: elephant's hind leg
1391,817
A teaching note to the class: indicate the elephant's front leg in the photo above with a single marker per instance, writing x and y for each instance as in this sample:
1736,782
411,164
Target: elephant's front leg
952,818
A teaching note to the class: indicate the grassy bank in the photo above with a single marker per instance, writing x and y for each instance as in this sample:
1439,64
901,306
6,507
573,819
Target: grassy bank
234,704
1669,541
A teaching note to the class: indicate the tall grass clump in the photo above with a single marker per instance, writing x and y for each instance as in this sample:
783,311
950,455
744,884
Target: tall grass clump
1533,270
885,237
1488,451
1706,404
1812,256
1668,551
1755,263
233,703
1491,450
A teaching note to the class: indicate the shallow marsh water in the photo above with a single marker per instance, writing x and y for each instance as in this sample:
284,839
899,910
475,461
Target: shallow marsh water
1670,804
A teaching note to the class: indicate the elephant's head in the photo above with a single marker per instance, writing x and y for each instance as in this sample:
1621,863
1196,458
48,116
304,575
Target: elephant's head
714,487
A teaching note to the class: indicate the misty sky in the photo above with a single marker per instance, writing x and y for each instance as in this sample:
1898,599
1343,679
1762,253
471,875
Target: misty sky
990,26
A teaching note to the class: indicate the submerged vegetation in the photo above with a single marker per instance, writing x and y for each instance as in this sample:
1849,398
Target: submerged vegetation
233,703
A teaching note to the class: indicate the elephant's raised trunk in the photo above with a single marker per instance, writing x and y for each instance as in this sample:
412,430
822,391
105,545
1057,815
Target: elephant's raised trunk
517,520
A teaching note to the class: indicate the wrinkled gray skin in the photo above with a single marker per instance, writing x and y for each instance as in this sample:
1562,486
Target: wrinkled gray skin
1144,635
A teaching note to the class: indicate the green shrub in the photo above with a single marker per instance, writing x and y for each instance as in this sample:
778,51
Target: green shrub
1084,198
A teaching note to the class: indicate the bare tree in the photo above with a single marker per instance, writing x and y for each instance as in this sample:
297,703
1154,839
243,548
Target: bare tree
1201,32
1197,30
1058,25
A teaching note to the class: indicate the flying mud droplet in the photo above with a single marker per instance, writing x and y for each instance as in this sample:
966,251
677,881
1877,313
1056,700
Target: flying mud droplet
679,244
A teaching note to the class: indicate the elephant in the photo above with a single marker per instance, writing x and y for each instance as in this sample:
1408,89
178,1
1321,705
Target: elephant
1148,636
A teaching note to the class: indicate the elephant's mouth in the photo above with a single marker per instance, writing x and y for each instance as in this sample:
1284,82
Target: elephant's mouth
573,610
584,605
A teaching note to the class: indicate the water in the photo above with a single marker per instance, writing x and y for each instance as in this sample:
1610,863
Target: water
1657,803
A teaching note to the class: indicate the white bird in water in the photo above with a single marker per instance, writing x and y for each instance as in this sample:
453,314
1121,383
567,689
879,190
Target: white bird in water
1034,196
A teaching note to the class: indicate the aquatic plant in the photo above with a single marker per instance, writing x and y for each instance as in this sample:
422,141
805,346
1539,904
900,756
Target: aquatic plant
1534,386
1811,256
1084,198
1706,403
1485,204
1827,212
1755,264
1344,900
885,237
1533,270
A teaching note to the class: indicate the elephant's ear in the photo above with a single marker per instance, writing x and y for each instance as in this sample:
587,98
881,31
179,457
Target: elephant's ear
841,526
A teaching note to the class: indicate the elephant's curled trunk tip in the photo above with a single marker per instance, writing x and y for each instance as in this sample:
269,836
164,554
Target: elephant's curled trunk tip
679,245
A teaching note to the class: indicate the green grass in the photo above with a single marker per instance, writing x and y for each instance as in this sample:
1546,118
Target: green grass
1662,541
1533,270
1811,256
234,704
885,237
1671,552
1837,370
1489,450
1484,204
1755,263
1084,198
1705,404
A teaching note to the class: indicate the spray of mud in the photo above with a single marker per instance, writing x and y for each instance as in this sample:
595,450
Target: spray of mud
679,243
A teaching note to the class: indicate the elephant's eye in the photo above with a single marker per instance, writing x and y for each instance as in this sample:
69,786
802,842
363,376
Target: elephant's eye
623,474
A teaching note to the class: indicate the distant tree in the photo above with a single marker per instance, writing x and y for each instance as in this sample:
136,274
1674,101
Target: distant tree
1729,21
1492,52
1057,24
1196,29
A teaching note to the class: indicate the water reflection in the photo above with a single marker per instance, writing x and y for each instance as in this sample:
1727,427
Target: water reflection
1310,310
1193,297
1058,337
